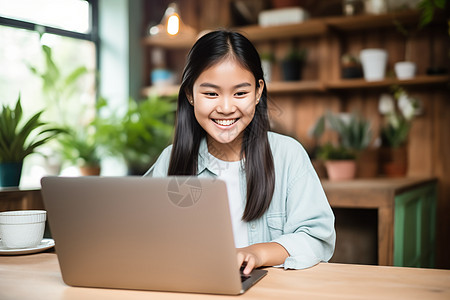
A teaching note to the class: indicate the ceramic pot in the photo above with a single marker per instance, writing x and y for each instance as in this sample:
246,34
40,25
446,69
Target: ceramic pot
291,70
394,161
367,163
374,63
351,72
10,173
340,169
90,171
405,69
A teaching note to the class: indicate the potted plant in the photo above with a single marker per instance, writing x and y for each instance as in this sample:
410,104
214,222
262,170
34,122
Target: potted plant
139,134
405,69
292,64
18,139
427,8
62,92
339,161
399,111
354,134
267,59
80,147
350,66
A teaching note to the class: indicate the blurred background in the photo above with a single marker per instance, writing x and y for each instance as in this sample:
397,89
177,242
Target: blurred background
107,73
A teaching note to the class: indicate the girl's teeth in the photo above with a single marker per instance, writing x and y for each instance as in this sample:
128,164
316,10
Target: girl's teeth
225,122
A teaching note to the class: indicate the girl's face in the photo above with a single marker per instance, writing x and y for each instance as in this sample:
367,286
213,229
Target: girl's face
224,99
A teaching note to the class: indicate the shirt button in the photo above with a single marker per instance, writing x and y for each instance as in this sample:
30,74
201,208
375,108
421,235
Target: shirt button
253,226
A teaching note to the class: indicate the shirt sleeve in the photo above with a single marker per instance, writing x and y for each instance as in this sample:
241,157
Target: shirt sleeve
308,233
160,167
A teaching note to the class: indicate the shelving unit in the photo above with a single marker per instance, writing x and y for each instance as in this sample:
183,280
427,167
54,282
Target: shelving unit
326,29
361,83
295,106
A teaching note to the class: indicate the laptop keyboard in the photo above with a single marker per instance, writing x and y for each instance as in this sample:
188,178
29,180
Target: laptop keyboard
245,277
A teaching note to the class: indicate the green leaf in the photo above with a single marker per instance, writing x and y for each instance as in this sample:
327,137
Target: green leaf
440,3
14,138
75,75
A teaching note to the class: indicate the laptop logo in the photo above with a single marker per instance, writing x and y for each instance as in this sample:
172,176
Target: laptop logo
184,191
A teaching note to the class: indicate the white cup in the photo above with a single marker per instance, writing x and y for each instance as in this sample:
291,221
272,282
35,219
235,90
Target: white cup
405,69
374,63
22,228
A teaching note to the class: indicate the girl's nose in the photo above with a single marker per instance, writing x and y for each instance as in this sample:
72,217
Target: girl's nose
226,105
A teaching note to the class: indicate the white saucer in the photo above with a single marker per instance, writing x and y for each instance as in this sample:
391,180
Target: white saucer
43,245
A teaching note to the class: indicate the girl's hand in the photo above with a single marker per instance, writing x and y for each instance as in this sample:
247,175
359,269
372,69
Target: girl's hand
263,254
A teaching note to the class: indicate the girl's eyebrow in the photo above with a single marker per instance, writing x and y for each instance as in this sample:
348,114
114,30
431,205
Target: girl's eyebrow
211,85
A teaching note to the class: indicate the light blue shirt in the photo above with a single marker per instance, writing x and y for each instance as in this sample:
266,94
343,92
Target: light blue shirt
299,217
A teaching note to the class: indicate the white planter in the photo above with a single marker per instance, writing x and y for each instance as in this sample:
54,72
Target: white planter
374,63
375,7
405,69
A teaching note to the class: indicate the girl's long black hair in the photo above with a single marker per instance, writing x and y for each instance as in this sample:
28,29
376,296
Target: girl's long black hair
208,50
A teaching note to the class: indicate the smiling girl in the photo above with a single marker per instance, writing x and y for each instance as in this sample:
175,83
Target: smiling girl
279,211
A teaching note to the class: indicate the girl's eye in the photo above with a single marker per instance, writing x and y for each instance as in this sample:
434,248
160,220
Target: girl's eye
241,94
212,94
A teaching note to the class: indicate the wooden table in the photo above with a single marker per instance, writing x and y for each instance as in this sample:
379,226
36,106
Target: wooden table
37,276
13,198
384,195
375,193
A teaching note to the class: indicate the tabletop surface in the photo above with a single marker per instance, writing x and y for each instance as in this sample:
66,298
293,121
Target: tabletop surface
37,276
395,185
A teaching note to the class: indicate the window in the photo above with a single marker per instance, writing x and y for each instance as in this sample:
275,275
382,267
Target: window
69,29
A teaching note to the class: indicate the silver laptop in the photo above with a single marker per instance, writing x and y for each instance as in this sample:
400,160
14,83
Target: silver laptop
166,234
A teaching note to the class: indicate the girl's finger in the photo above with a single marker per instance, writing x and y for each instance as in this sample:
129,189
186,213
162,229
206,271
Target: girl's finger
250,265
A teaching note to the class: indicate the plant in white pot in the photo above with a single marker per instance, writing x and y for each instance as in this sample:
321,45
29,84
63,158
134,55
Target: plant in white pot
428,9
405,69
267,59
18,139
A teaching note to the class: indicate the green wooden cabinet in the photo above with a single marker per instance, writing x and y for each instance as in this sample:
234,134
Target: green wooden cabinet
415,227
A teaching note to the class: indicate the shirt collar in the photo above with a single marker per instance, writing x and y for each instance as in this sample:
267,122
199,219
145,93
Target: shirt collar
203,159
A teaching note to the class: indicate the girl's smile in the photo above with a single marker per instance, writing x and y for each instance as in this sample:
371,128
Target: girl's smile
226,122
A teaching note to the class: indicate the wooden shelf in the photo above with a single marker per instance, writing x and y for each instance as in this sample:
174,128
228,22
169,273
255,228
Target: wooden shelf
295,86
361,22
280,87
361,83
178,42
313,27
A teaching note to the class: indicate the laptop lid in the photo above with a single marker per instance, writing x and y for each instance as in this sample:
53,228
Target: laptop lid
166,234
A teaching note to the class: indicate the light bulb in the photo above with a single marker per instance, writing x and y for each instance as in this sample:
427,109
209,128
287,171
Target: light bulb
173,24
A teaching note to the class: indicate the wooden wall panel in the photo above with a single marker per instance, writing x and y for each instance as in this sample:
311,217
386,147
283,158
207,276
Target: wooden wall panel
280,114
